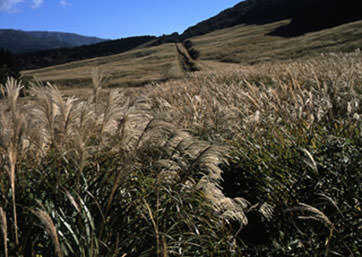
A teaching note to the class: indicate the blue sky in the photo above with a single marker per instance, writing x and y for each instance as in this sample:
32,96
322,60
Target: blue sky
108,18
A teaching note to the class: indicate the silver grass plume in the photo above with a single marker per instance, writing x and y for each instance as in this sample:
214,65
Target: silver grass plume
13,127
50,228
4,228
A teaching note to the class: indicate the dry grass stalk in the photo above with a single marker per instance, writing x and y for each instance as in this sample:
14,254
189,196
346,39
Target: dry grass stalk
318,216
4,228
113,109
215,106
181,146
50,228
155,228
99,77
331,201
46,110
13,127
72,200
55,112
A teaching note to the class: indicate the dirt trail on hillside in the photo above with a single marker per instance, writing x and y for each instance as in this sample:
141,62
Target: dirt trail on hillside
188,64
185,60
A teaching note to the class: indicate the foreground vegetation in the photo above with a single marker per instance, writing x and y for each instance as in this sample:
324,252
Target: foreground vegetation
261,161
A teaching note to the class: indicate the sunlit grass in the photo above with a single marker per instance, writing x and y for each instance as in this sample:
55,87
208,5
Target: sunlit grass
258,161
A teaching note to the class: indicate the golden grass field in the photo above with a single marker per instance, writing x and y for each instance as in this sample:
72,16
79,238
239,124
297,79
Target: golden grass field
132,68
186,167
231,47
256,154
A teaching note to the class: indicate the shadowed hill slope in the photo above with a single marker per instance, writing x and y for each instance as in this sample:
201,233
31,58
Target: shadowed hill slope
306,16
63,55
250,44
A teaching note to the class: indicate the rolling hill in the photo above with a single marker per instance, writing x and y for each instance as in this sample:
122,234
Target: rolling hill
288,19
238,45
251,44
132,68
40,59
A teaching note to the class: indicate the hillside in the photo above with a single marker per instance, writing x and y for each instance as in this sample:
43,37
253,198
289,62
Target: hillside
18,41
305,16
275,19
250,44
52,57
132,68
271,20
221,49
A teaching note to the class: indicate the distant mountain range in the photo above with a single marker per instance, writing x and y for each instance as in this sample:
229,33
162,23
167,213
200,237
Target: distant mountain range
38,59
18,41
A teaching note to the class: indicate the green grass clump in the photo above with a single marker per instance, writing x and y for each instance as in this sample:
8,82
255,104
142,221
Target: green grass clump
318,167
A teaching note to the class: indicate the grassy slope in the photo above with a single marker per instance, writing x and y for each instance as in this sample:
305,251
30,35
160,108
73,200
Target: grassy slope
52,57
243,44
251,44
134,67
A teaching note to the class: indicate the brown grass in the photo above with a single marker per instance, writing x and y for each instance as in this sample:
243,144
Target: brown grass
132,68
250,44
219,50
4,229
228,101
50,228
196,122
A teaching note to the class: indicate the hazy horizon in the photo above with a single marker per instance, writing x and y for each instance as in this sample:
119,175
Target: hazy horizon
109,20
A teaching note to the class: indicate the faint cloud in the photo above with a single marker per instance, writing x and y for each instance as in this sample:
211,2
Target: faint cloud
9,5
64,3
37,3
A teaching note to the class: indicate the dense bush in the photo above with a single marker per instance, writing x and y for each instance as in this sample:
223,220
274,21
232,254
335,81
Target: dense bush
194,54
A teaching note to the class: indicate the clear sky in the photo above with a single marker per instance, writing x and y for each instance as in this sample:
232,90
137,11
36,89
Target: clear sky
109,18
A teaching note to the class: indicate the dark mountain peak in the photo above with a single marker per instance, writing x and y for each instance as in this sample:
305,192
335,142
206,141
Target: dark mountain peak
306,15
